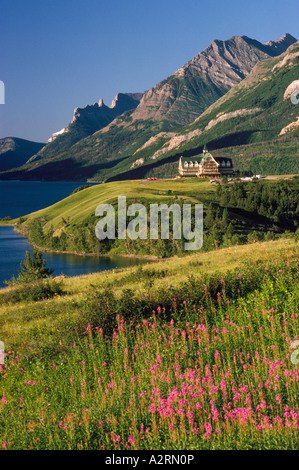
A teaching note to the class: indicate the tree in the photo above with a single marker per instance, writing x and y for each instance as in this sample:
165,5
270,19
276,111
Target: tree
210,216
225,220
224,198
33,268
36,233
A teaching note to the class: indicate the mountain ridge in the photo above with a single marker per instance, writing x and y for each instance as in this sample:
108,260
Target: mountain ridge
15,151
173,103
87,120
279,44
256,111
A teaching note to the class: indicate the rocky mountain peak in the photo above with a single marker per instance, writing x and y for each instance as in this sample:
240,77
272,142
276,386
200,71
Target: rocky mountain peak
183,96
100,112
176,101
88,120
125,101
280,45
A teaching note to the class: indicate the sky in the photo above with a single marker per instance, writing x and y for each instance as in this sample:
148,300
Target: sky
57,55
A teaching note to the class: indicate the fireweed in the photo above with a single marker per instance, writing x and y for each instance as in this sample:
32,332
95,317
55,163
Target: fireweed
187,383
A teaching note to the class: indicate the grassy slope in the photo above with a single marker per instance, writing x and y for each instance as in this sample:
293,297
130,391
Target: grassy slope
18,320
253,141
79,206
29,327
63,365
67,224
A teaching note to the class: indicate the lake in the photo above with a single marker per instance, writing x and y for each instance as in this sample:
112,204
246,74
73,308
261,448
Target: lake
19,198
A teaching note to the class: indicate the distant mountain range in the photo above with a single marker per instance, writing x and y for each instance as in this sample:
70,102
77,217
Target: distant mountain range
140,134
15,152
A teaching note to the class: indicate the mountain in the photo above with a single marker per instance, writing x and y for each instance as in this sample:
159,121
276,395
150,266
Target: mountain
209,75
280,45
255,123
88,120
175,102
15,152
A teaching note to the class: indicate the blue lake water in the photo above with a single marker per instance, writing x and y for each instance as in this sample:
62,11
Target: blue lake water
19,198
13,247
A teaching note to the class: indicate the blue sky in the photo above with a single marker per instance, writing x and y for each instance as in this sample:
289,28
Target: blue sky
60,54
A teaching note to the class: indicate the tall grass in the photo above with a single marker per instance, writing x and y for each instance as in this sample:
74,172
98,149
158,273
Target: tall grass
214,371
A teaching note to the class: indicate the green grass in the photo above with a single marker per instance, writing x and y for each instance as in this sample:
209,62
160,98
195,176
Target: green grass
110,152
190,352
78,207
70,223
25,326
186,353
253,213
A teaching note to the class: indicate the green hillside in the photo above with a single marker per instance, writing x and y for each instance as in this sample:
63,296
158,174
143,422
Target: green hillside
15,152
192,353
234,214
124,148
250,124
86,121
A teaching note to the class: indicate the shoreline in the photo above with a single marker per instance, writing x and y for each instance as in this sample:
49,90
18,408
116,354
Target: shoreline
110,255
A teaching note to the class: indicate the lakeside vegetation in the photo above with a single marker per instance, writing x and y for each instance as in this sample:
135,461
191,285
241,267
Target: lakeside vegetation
185,353
192,351
234,214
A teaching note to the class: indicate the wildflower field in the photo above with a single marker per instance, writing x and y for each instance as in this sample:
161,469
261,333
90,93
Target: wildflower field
206,365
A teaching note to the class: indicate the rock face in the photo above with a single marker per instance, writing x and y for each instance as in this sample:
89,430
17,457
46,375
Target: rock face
252,116
280,45
125,101
99,115
102,142
88,120
187,93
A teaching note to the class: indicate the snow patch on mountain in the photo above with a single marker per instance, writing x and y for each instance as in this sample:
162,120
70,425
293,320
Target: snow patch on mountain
56,134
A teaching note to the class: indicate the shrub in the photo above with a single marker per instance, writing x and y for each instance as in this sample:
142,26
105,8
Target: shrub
102,308
34,292
80,188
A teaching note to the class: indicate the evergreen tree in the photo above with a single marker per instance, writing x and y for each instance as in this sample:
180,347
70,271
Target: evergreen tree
225,220
230,230
36,232
224,198
210,216
33,268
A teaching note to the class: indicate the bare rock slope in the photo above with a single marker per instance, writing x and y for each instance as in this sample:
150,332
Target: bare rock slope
175,102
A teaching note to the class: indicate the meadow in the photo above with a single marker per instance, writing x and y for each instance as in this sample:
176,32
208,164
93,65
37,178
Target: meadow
186,353
234,214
